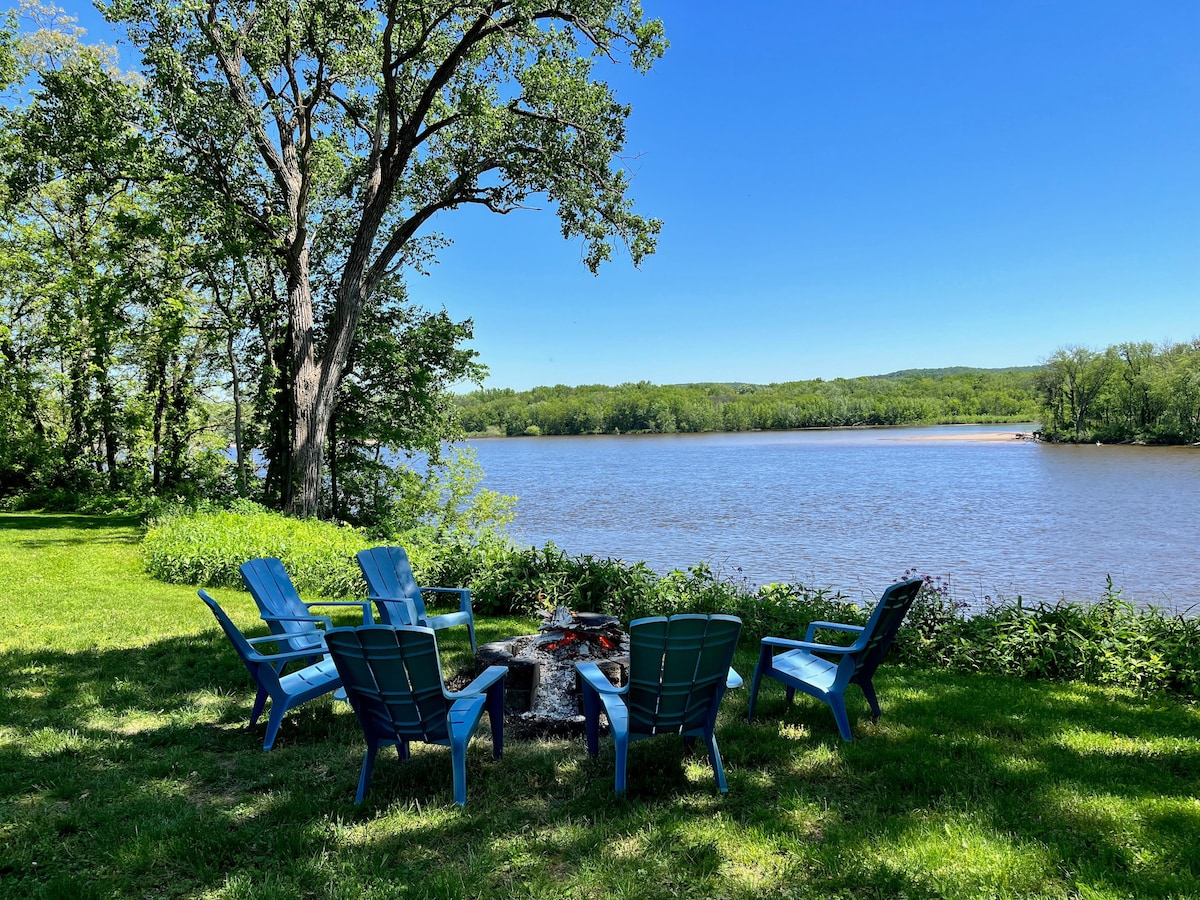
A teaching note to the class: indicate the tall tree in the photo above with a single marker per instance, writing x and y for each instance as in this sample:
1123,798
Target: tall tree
350,124
1071,382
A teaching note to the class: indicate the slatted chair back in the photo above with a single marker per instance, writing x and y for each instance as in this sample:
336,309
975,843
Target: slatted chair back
393,680
249,656
271,587
881,628
678,668
390,581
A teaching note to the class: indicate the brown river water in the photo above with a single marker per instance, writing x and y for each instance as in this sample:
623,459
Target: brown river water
854,509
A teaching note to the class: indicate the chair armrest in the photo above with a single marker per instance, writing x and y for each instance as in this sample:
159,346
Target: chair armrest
464,595
483,681
733,680
321,620
364,605
595,678
408,604
284,656
831,626
789,644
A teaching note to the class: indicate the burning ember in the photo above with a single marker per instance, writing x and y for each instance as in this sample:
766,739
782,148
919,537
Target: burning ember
562,628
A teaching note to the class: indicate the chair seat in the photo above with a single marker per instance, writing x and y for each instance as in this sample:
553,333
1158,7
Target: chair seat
447,620
311,678
465,713
805,667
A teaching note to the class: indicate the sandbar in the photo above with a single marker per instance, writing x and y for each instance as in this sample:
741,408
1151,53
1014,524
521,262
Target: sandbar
985,436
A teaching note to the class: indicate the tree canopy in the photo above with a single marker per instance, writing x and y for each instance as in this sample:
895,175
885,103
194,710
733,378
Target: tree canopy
333,131
213,253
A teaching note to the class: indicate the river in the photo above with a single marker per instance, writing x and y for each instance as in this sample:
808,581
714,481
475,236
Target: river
853,509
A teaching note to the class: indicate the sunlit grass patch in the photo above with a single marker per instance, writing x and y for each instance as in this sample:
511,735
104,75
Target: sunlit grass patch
960,854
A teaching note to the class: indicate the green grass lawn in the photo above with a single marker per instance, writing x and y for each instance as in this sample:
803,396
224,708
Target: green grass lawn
126,770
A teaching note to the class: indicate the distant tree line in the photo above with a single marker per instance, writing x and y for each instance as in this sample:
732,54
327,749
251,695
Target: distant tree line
903,398
1129,392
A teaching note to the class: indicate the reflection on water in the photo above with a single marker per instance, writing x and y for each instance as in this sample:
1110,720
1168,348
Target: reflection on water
854,508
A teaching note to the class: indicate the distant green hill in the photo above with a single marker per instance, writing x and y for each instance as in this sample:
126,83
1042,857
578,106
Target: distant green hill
953,370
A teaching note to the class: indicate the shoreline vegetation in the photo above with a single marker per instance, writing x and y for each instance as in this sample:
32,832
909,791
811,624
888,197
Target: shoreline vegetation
957,396
1105,640
1131,393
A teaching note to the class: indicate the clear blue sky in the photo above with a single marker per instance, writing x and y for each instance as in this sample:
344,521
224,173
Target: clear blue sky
852,188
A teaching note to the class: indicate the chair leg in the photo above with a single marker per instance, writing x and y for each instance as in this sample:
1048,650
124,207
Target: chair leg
765,655
837,703
368,767
714,757
278,708
591,719
495,708
754,683
791,695
621,744
471,633
868,690
260,700
458,758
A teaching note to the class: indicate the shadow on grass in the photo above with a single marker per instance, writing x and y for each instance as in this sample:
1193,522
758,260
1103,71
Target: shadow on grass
120,529
131,772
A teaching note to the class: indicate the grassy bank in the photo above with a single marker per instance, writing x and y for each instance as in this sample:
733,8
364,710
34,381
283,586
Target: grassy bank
126,770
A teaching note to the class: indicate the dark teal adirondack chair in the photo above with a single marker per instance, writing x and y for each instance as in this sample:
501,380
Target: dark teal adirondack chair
801,664
285,691
678,673
391,585
283,610
393,680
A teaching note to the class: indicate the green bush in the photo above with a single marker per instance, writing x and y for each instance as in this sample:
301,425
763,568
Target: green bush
207,547
1109,642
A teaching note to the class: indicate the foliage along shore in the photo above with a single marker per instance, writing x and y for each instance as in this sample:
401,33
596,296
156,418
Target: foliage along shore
912,397
1106,642
1128,393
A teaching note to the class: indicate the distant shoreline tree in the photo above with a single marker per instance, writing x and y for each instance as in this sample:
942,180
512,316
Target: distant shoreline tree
1131,392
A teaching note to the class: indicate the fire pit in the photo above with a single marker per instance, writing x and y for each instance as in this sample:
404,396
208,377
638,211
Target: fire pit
542,688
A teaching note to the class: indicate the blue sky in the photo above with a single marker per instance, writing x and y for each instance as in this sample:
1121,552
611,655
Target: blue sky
852,188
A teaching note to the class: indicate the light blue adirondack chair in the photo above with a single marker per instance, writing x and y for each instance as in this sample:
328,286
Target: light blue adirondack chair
393,588
285,691
283,610
393,680
801,665
678,673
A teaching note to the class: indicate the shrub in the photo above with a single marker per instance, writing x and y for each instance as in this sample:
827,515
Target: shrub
207,547
1110,641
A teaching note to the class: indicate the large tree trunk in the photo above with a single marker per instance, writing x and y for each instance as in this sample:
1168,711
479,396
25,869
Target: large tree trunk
315,382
